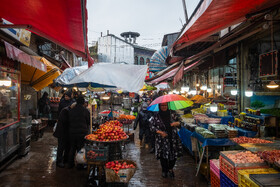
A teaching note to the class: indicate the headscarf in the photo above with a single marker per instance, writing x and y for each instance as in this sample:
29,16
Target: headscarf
165,116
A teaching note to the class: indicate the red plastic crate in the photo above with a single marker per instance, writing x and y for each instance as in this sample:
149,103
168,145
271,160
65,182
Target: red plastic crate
231,171
215,180
215,166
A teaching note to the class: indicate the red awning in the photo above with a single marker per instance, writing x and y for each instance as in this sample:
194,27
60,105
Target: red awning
215,15
18,55
62,22
173,72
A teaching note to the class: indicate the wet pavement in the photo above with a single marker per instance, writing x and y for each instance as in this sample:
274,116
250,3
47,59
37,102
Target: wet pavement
38,168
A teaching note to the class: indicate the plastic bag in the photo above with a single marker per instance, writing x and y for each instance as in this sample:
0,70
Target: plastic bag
54,127
81,157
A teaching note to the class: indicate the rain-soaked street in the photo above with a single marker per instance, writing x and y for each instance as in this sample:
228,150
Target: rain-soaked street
38,167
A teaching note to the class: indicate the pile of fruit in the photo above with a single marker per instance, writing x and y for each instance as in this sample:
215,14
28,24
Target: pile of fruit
245,157
270,156
126,119
91,155
243,139
116,166
109,131
54,99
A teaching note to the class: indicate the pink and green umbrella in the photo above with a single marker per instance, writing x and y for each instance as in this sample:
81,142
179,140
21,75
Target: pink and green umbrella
175,102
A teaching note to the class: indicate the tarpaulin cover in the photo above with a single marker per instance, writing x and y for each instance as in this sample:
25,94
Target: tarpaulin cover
68,74
212,141
127,77
37,78
215,15
243,132
185,136
63,22
20,56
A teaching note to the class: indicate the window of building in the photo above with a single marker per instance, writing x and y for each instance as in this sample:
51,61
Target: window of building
142,61
136,60
147,61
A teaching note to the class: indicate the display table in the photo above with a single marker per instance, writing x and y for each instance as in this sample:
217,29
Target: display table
185,136
247,133
224,120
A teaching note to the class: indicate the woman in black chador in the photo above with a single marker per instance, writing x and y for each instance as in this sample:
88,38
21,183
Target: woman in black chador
168,146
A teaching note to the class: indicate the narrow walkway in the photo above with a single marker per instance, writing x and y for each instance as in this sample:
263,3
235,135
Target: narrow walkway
38,168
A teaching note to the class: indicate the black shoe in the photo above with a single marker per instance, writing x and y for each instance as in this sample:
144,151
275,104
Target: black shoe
171,174
164,174
152,150
60,165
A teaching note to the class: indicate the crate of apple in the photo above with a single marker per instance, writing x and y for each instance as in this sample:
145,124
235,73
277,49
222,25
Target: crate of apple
120,171
108,132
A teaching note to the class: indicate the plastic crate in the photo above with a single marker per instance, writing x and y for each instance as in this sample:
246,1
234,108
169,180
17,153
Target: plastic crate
215,167
225,181
244,179
215,179
94,153
231,171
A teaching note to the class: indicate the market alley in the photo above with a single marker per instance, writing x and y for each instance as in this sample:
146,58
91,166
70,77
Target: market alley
38,168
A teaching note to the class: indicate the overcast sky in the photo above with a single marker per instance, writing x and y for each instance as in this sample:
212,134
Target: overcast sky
151,18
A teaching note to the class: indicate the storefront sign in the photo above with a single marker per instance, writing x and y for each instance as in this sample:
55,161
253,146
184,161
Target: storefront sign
21,35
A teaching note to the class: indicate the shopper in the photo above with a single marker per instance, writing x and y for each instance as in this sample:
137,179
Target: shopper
79,121
143,120
168,146
44,105
65,101
61,133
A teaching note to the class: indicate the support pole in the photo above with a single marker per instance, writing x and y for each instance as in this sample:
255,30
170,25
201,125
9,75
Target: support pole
185,11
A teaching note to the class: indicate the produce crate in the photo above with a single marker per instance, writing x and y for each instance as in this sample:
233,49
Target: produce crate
230,169
123,176
215,167
95,153
225,181
244,179
215,179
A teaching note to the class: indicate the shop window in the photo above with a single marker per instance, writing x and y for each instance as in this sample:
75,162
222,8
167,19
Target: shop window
142,61
9,96
136,60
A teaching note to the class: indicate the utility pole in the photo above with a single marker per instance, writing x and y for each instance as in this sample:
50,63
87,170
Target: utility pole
185,11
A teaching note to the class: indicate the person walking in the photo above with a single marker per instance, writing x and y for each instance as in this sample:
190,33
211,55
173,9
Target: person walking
168,146
143,120
65,101
79,121
61,133
44,105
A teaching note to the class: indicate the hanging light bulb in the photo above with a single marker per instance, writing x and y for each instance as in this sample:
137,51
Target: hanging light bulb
6,82
213,108
249,92
197,85
272,85
209,90
185,88
233,91
204,87
219,86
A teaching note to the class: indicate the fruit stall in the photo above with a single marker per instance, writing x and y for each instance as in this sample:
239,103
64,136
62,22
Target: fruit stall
104,151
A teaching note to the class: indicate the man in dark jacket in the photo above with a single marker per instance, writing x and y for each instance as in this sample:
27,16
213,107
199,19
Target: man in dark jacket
61,133
143,120
65,101
79,121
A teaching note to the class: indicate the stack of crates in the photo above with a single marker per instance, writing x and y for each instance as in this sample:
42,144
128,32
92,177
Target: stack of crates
230,169
25,135
244,179
215,172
